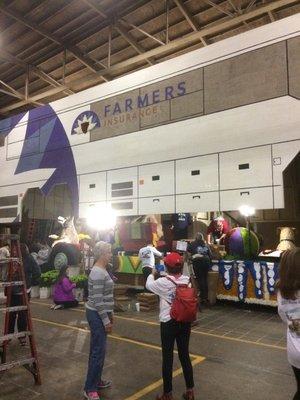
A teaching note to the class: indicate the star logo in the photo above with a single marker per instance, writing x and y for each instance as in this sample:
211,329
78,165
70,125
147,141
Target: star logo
85,122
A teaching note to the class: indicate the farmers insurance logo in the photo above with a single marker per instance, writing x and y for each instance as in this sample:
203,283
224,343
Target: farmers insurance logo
85,122
128,110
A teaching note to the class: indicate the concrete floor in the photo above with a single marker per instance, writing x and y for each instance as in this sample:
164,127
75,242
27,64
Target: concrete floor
237,354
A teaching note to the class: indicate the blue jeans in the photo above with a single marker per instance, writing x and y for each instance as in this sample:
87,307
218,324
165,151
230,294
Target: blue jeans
97,351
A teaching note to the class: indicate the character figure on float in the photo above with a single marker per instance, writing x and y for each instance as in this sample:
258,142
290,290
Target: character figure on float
67,243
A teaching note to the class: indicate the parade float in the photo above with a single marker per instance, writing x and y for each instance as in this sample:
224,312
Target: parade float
247,273
243,270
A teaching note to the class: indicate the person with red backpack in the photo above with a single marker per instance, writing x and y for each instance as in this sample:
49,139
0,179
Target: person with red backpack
177,309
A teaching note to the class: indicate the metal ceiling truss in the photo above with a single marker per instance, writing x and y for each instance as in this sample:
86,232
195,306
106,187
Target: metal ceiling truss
188,16
120,29
85,59
15,93
102,69
4,54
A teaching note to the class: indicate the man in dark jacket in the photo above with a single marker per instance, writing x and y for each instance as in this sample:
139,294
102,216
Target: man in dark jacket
201,259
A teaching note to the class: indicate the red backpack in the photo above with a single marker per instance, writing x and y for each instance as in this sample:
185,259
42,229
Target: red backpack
185,304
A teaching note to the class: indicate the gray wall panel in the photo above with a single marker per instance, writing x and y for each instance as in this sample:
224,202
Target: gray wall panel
190,104
251,77
155,115
294,66
193,82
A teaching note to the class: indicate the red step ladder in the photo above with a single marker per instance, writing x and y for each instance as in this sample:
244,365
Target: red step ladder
30,232
16,277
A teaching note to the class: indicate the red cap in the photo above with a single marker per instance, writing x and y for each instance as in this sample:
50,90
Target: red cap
173,260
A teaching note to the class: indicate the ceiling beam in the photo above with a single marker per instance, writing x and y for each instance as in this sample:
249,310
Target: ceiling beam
250,5
219,8
130,39
85,59
119,28
35,98
8,92
193,37
142,31
272,16
234,6
14,93
5,55
96,8
188,16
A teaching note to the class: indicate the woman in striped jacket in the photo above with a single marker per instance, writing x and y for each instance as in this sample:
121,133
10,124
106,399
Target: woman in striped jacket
99,313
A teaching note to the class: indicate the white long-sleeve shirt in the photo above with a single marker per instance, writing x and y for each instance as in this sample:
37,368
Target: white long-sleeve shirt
146,255
166,292
4,253
289,312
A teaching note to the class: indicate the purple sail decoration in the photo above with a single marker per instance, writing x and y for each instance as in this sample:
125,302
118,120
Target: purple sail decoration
242,276
7,124
257,275
226,269
46,145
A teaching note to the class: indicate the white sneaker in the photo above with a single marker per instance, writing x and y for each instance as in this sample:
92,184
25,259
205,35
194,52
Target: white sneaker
57,307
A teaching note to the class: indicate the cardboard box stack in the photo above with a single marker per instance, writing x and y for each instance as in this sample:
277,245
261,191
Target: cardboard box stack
148,301
120,297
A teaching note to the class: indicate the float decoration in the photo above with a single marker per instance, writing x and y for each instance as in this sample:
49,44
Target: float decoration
65,245
247,281
272,276
238,243
287,238
226,269
256,272
242,276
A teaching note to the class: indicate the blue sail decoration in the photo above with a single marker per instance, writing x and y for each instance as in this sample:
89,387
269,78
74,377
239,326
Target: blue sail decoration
242,275
227,272
272,275
255,269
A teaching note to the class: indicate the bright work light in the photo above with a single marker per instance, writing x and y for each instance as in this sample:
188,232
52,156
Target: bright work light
101,218
247,211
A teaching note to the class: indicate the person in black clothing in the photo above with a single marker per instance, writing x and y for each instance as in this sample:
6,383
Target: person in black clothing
181,222
32,275
170,329
201,258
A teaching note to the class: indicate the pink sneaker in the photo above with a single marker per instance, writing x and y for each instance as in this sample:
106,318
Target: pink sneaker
91,395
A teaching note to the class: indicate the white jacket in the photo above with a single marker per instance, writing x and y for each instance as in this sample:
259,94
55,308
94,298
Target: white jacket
166,292
289,312
146,255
